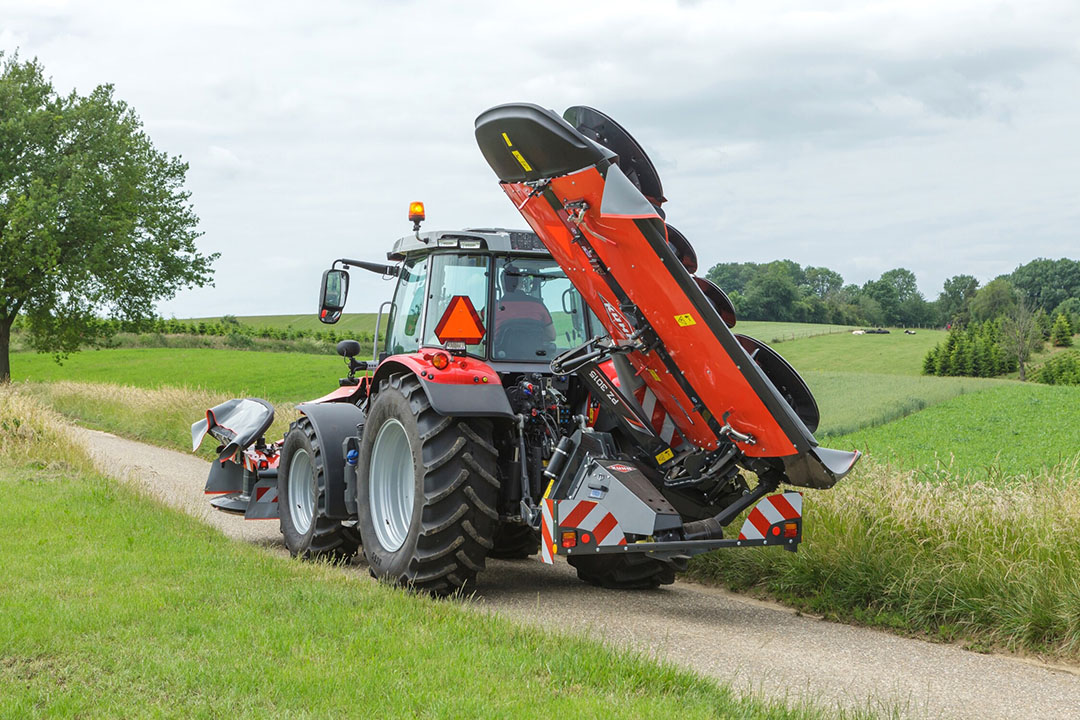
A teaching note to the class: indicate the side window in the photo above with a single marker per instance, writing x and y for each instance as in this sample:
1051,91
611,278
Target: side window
407,312
457,275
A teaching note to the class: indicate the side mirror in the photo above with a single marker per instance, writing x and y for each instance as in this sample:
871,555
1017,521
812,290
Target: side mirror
335,288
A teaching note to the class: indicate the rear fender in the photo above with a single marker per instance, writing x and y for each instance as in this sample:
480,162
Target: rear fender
466,388
335,423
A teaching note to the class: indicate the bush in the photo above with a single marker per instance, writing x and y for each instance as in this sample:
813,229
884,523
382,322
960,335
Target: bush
1062,331
974,351
1062,369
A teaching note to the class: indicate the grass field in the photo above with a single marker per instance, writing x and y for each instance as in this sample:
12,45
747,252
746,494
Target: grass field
1012,429
277,376
892,354
114,606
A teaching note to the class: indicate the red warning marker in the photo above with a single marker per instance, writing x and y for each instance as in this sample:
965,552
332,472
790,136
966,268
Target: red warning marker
460,323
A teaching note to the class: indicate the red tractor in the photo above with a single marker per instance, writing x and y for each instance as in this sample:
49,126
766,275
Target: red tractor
574,390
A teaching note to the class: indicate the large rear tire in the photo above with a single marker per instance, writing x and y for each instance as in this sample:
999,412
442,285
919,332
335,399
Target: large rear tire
426,491
625,572
300,487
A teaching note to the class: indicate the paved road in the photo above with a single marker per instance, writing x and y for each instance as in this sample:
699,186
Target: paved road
756,646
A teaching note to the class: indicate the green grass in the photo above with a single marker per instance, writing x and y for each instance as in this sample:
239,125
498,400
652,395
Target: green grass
778,332
892,354
113,606
850,401
1009,430
994,565
276,376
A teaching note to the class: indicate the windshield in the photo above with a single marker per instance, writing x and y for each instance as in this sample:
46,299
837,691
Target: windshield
538,313
452,275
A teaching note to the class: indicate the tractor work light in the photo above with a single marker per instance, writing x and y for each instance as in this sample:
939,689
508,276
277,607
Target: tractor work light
448,242
471,244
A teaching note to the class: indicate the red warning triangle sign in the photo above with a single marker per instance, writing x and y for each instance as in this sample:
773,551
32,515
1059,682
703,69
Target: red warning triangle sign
460,322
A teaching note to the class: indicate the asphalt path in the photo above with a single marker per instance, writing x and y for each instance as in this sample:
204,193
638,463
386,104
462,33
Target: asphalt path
757,647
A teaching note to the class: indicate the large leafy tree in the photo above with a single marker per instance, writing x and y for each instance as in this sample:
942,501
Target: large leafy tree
94,220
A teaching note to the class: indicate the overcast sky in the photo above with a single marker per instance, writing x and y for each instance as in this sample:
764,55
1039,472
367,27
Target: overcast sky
943,137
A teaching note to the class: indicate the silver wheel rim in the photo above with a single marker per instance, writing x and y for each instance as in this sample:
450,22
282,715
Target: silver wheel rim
390,485
303,491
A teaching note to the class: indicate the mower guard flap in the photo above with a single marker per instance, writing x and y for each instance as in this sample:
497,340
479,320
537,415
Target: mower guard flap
236,424
613,245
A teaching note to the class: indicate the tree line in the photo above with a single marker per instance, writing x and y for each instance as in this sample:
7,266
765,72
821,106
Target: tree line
784,291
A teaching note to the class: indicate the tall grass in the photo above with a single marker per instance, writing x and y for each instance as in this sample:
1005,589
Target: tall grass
994,564
162,416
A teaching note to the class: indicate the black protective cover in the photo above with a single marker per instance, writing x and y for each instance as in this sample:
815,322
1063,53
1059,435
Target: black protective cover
633,161
554,148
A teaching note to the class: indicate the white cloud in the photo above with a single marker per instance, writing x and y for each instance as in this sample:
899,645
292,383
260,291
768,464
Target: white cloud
862,136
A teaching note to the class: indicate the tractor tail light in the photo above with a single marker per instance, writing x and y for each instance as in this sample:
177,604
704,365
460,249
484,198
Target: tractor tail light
791,530
569,539
440,360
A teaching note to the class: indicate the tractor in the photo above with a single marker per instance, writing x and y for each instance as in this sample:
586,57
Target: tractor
569,389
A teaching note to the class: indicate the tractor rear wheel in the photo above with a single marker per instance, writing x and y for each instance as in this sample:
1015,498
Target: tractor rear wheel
515,542
426,491
300,487
626,572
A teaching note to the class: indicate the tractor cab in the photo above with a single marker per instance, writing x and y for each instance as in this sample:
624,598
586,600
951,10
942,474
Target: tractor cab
490,293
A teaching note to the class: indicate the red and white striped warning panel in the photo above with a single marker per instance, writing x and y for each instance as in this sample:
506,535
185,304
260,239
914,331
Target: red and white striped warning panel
769,512
661,421
547,531
591,518
266,494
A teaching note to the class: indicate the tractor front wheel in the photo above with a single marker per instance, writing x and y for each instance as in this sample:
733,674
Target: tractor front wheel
300,488
426,491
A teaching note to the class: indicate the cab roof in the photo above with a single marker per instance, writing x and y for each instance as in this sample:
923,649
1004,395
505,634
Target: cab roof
498,240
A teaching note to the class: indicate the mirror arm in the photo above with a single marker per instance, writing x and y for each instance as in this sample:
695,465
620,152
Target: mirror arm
391,270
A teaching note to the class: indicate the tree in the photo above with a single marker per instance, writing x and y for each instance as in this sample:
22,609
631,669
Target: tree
995,299
93,219
772,294
955,298
1020,335
1047,283
1062,332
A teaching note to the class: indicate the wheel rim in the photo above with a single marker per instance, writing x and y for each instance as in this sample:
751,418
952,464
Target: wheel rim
303,491
390,485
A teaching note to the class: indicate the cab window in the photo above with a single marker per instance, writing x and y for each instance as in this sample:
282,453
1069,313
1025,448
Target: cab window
457,275
407,310
537,313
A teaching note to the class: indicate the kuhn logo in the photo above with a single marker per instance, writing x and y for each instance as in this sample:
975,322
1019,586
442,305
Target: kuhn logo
619,467
616,318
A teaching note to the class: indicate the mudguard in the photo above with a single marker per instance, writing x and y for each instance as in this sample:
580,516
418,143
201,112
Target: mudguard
467,388
334,423
612,243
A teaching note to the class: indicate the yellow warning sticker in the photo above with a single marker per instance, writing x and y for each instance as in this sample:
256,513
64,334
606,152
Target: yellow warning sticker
655,375
523,161
664,456
685,320
507,139
550,485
